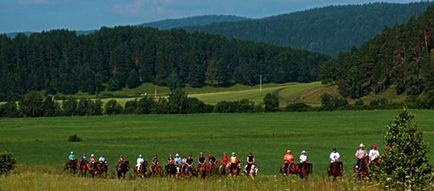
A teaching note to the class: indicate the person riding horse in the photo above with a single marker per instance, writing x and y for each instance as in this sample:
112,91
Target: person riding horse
374,154
171,167
201,159
288,160
251,160
303,159
139,163
178,163
234,161
189,162
360,154
72,162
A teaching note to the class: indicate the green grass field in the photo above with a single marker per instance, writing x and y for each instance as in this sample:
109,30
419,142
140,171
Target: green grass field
43,141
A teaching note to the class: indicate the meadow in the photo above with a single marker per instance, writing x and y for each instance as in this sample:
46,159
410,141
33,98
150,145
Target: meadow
41,147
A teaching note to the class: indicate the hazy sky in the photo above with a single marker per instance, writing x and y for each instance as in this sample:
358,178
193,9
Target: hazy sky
37,15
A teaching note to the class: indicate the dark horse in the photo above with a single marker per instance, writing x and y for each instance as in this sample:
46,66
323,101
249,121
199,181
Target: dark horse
236,169
84,167
122,168
211,168
156,170
305,169
335,169
202,170
72,166
292,169
363,169
171,169
142,171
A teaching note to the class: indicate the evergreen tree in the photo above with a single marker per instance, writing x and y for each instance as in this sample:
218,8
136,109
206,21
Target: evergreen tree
178,101
133,80
405,165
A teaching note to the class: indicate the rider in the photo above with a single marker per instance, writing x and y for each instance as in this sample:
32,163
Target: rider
201,159
178,162
140,161
225,159
72,156
334,157
373,153
155,160
121,159
234,161
189,163
288,159
102,159
83,157
92,158
251,160
360,154
170,160
211,158
303,159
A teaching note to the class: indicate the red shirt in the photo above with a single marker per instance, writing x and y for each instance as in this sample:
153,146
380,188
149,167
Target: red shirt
225,159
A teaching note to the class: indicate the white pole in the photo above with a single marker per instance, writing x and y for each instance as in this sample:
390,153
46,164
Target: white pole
155,93
260,83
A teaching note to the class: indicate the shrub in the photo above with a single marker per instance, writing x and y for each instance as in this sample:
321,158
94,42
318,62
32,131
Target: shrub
271,103
178,101
405,165
380,103
69,106
360,105
130,107
7,162
9,109
298,107
74,138
112,107
32,104
144,105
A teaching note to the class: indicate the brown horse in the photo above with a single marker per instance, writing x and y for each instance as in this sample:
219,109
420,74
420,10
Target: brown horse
233,170
122,168
100,168
252,172
171,169
363,170
211,168
335,169
72,166
305,169
202,170
222,169
156,170
292,169
84,167
142,171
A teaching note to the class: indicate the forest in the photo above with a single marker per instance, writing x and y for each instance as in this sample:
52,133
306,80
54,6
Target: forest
60,61
401,56
328,30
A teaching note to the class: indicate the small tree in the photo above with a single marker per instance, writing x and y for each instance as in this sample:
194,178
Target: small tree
9,109
271,102
405,165
32,104
113,107
7,162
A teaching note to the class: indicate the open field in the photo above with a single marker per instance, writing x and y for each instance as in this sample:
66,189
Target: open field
40,146
309,93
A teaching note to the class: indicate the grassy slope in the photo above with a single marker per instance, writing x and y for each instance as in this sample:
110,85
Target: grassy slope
42,141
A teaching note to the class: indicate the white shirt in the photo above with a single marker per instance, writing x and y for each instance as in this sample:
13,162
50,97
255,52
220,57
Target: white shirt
303,158
334,157
373,154
101,159
140,161
361,154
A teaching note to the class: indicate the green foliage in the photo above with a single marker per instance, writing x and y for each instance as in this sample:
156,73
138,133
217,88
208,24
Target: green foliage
9,109
405,165
112,107
69,106
51,108
329,72
178,102
360,105
331,103
241,106
145,105
130,107
380,103
32,104
7,162
298,107
133,80
74,138
271,102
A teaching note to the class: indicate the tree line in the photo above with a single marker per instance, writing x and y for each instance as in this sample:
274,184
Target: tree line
61,61
401,56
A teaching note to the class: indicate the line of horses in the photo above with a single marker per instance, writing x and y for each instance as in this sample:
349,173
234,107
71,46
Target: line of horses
211,169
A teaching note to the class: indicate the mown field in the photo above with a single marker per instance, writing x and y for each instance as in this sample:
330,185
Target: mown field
42,144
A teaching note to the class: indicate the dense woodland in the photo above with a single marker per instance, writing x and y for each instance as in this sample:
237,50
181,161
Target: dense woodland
192,21
402,56
114,58
329,30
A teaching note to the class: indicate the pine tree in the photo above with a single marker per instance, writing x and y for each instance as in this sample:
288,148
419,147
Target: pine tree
133,79
405,165
271,102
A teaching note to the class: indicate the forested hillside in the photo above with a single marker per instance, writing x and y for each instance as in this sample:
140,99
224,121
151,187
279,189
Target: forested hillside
400,56
328,30
113,58
192,21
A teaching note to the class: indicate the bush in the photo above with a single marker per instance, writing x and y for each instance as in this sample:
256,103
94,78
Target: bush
178,101
298,107
405,165
241,106
380,103
74,138
360,105
112,107
145,105
9,109
130,107
69,106
7,162
271,103
32,104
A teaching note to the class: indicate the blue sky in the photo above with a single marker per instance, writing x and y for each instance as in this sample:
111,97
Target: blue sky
38,15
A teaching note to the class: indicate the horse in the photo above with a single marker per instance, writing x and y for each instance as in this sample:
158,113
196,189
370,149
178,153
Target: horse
100,168
292,169
171,169
363,170
252,172
222,169
335,169
202,170
211,168
190,171
305,169
156,170
142,171
122,168
72,166
84,167
233,171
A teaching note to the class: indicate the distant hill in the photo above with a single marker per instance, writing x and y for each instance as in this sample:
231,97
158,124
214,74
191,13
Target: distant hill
193,21
401,56
328,30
